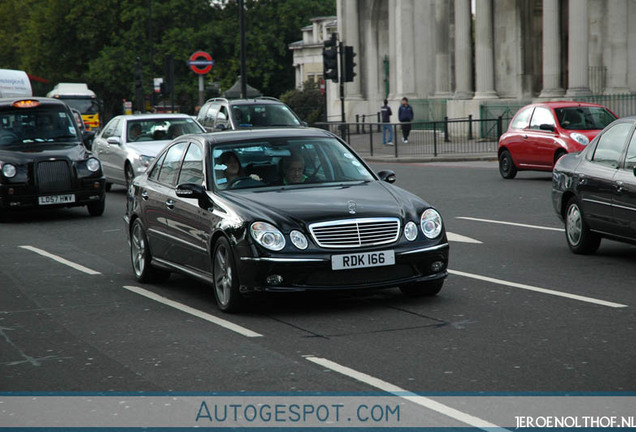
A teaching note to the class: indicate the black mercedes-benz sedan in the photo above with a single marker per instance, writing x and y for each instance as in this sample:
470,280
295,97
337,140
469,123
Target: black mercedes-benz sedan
280,210
594,191
43,160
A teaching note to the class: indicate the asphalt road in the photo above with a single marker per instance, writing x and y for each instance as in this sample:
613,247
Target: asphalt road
518,313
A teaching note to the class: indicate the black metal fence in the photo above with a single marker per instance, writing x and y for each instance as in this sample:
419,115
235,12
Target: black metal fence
433,138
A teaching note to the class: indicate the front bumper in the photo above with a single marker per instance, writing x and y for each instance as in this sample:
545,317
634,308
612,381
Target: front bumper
314,272
23,196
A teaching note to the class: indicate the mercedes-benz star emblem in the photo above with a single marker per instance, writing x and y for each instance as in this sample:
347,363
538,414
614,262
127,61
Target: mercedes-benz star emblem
351,205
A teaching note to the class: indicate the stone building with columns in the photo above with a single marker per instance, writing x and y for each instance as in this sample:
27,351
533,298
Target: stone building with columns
467,54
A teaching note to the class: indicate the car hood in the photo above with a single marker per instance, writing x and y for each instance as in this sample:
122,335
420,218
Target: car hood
301,205
147,148
27,152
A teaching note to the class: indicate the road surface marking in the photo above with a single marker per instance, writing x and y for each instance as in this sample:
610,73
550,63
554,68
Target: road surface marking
537,289
61,260
404,394
511,223
460,238
192,311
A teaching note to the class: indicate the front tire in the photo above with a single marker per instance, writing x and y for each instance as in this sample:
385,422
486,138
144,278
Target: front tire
507,167
141,258
578,235
423,289
226,283
97,208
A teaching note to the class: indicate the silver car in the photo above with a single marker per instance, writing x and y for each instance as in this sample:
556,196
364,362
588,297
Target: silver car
128,143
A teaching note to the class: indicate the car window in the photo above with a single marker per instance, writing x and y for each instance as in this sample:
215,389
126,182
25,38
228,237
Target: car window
522,119
170,166
154,173
110,127
192,167
285,162
210,115
35,125
158,129
541,116
584,118
263,115
221,117
630,158
611,144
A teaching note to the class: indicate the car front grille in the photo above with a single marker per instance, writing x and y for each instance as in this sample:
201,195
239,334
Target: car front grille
53,176
353,233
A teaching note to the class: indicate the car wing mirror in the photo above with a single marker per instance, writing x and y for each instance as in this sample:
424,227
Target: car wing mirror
113,140
190,190
387,176
547,127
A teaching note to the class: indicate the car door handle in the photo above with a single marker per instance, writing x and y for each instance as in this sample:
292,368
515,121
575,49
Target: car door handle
144,195
620,186
170,204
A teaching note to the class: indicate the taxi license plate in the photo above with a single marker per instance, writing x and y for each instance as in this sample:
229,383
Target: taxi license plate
56,199
362,260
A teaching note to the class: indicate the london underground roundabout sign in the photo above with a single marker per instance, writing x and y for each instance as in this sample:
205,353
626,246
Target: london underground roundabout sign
201,62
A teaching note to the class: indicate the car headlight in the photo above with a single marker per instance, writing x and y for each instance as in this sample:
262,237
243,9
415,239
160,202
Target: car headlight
9,170
145,161
267,235
580,138
410,231
431,223
298,239
92,164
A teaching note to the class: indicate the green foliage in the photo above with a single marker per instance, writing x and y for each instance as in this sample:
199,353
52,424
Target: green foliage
98,42
308,103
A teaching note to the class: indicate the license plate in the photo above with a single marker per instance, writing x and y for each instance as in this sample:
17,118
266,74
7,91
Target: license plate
56,199
361,260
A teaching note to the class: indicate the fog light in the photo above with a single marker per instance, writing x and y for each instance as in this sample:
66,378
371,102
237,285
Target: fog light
96,185
437,266
274,279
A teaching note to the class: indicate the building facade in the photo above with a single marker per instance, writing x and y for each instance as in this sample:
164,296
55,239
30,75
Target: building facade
467,54
308,51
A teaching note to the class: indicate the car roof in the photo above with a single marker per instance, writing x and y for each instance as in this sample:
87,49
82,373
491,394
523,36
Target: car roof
43,101
152,116
257,100
266,133
566,104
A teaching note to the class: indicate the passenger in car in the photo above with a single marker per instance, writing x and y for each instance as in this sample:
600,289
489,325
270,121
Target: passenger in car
174,131
294,170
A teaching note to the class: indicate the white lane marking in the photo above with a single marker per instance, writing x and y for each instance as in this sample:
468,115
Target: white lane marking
511,223
61,260
192,311
537,289
460,238
404,394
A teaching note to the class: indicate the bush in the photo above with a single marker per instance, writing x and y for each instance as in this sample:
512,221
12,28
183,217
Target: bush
308,103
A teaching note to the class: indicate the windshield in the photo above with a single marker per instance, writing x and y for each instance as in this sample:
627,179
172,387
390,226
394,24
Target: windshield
296,162
160,129
263,115
36,125
83,105
584,118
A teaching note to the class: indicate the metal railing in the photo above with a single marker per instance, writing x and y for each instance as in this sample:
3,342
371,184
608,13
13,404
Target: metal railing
434,138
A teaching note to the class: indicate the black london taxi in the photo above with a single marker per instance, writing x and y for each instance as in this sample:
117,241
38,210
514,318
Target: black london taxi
43,161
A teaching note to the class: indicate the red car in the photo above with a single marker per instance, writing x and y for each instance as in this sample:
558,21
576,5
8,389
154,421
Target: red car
540,133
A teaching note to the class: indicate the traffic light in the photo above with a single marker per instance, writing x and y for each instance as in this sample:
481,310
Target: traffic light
349,68
330,58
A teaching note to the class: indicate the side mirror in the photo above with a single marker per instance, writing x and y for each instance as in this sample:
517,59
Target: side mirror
305,124
190,190
113,140
547,127
387,176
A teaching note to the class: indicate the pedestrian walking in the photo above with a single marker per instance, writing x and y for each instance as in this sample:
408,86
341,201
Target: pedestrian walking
405,116
386,123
